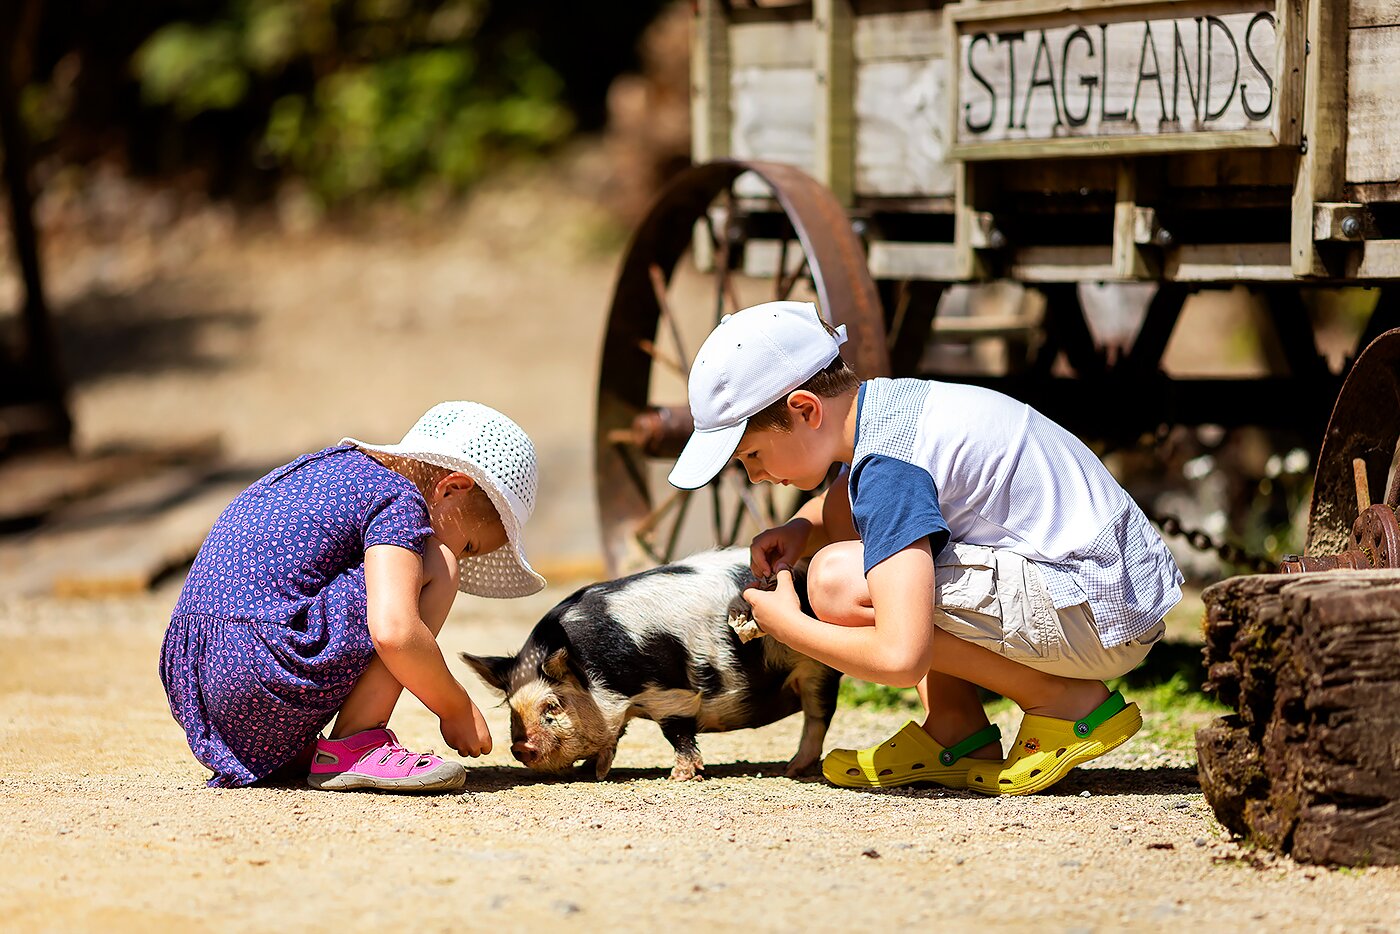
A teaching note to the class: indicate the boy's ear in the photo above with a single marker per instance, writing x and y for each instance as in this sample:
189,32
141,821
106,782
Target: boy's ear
492,669
805,406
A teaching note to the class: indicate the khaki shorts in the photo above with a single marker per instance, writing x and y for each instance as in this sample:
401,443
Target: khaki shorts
997,599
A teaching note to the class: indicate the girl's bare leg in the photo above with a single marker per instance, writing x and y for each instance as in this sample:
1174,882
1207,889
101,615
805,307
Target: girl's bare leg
374,696
838,593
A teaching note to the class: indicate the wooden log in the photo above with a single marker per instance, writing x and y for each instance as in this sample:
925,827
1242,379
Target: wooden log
1310,763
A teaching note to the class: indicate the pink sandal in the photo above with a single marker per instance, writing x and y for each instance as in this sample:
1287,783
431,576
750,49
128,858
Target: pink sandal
374,759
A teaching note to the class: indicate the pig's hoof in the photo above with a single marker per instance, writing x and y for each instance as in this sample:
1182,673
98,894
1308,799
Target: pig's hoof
686,773
796,769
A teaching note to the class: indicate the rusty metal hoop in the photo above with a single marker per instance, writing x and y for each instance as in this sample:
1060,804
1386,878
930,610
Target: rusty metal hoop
1364,425
835,261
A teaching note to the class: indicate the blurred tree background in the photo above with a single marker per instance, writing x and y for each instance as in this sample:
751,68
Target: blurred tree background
352,97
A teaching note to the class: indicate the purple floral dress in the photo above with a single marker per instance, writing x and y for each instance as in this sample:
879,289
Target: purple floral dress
270,634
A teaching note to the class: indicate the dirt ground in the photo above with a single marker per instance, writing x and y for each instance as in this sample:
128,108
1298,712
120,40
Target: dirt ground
279,343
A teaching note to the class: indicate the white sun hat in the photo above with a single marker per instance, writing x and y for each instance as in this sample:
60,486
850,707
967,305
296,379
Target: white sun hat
487,446
752,359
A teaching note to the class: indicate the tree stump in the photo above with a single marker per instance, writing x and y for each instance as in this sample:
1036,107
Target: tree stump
1310,764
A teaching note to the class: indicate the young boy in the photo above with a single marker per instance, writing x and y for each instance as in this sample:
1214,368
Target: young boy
967,541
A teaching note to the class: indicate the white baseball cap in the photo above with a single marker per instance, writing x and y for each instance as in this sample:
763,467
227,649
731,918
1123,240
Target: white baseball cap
495,452
751,360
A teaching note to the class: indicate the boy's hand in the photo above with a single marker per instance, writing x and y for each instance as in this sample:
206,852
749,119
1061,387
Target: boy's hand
778,548
467,733
769,605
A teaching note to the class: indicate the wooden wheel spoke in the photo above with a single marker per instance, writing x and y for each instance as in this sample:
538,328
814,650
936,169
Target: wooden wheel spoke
660,356
678,501
787,283
780,273
658,285
748,500
632,469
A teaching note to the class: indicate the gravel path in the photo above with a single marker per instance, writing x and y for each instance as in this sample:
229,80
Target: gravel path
109,827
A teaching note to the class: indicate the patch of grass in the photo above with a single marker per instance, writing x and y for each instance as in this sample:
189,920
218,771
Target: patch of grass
856,693
1173,710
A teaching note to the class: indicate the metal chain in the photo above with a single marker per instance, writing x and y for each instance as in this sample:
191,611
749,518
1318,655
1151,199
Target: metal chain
1201,541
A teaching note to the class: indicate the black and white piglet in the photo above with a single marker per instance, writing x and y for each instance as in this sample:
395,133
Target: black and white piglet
656,645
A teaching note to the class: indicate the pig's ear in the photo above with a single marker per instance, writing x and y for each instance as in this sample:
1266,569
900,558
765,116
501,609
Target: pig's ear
556,667
493,669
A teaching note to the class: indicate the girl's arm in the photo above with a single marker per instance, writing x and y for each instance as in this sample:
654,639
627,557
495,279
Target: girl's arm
897,650
395,583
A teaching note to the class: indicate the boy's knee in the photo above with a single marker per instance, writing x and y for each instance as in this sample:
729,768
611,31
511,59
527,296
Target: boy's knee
836,582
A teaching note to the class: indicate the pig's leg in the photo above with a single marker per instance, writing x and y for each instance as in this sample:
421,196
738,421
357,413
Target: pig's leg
818,692
602,762
680,733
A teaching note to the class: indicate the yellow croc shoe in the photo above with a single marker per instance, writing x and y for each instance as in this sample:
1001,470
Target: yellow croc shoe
1046,748
907,757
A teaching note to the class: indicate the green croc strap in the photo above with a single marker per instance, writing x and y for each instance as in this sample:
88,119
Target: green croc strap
1099,714
988,734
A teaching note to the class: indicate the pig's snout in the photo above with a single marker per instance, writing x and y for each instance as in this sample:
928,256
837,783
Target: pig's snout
524,752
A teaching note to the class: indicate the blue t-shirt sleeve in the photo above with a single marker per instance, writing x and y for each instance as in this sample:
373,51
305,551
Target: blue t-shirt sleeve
894,504
398,517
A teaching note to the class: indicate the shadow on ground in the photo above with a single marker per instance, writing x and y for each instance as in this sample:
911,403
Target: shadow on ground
151,330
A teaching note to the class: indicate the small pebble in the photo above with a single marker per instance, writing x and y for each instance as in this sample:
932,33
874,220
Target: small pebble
1084,794
958,860
1200,841
872,853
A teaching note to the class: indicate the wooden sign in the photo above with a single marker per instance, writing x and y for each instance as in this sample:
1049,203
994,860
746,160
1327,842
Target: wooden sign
1036,78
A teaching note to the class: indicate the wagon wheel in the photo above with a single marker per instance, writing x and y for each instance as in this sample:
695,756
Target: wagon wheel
664,307
1364,427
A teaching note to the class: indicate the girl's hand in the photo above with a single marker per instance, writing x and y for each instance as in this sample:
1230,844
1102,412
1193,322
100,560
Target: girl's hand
467,733
778,548
776,604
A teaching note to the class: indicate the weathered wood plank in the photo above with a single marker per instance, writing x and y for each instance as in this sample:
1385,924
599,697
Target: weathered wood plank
1228,262
774,118
834,125
933,262
1062,263
1366,13
917,34
1322,165
1312,665
1375,259
709,81
1034,79
901,144
772,45
1373,106
119,542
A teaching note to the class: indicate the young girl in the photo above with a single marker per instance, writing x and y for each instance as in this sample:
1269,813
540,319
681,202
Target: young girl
320,593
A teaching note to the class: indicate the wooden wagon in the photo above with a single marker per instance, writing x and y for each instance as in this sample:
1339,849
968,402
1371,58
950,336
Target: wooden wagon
880,155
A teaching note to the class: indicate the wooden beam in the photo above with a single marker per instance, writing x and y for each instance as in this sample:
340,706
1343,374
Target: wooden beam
834,58
1321,174
709,75
1130,260
926,262
1342,222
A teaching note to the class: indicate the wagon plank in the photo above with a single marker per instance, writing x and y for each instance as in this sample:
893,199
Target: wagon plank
119,542
1373,109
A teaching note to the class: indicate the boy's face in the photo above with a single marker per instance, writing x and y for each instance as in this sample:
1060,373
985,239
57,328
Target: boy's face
463,518
797,457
